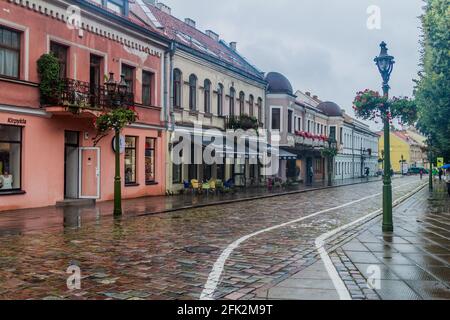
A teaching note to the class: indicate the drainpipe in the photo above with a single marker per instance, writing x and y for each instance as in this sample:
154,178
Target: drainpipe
168,112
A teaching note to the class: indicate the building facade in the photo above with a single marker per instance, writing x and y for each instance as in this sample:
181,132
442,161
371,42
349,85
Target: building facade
305,125
406,151
47,147
209,83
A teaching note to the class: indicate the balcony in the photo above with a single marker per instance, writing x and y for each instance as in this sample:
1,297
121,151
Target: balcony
78,97
243,122
310,139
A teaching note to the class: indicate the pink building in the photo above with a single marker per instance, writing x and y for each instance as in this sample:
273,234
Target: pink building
47,151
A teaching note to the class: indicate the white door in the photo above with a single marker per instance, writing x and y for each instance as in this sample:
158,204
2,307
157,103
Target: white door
89,179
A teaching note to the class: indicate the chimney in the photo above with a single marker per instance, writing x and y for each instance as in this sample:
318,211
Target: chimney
233,45
308,94
190,22
166,9
212,35
315,97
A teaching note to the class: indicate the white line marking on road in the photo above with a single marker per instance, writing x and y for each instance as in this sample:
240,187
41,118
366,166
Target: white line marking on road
216,273
339,285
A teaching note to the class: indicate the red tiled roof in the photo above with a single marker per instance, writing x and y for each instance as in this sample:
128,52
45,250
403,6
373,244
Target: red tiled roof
182,33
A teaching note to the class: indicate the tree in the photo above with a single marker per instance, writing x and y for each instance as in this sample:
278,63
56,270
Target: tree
432,90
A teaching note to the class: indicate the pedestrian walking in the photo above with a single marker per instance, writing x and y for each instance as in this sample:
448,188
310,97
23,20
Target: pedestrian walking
441,172
447,179
421,174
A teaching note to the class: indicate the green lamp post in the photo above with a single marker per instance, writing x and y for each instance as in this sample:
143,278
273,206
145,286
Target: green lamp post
116,94
385,64
332,151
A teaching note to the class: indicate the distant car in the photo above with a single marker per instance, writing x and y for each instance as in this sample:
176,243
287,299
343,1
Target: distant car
416,170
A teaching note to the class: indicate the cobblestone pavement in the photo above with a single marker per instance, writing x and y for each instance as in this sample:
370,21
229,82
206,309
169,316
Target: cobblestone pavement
58,218
411,263
170,255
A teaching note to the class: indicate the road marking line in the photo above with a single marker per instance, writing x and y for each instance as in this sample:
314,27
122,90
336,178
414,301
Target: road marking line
214,276
339,285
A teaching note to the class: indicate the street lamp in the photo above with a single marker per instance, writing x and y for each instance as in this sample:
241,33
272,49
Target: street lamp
116,95
332,148
385,64
430,159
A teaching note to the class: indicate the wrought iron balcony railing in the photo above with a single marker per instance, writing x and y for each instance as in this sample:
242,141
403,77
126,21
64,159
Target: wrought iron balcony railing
84,95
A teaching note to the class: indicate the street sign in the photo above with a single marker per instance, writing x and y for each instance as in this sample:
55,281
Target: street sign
440,162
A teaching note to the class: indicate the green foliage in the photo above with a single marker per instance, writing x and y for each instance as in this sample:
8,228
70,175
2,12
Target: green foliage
329,152
115,120
370,105
244,122
50,83
433,85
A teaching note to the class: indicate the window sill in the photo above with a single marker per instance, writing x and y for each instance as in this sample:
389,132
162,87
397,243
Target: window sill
193,113
208,115
132,185
178,109
18,81
151,183
12,193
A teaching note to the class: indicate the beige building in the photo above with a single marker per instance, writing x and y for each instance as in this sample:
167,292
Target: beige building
208,84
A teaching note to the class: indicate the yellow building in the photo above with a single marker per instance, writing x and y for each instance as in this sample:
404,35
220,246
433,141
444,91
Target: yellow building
403,147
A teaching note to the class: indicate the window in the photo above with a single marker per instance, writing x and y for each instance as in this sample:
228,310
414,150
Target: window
193,92
10,158
147,80
128,73
260,109
220,100
241,103
250,105
176,173
290,114
299,120
232,97
333,132
60,52
340,135
276,119
118,6
9,53
207,96
130,160
309,125
150,149
177,88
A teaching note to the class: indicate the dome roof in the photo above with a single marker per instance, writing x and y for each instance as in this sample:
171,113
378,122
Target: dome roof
330,109
278,83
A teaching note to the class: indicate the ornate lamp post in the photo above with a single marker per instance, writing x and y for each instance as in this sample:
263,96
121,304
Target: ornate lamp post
385,64
116,94
430,159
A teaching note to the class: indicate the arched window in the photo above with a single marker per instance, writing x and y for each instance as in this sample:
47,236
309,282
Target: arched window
177,78
193,92
260,110
232,97
220,99
250,105
207,96
241,103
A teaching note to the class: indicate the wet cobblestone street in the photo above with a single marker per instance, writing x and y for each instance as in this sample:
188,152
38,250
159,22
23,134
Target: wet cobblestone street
169,256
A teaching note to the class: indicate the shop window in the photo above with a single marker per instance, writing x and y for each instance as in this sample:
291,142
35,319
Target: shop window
9,52
130,160
10,158
147,80
60,52
150,149
177,173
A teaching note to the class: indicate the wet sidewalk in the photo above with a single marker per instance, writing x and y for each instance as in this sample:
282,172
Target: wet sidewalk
412,263
60,218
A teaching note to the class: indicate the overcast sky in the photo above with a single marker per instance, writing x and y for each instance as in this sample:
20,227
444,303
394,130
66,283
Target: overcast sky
322,46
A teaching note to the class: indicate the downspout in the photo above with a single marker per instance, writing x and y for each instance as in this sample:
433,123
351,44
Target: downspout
168,112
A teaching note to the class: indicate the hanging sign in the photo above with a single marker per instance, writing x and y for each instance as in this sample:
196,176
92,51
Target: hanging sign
440,162
121,144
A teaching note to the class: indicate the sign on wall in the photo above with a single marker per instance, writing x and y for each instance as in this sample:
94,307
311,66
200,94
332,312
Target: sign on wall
440,162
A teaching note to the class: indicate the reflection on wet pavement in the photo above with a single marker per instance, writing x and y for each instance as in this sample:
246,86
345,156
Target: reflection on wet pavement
169,256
